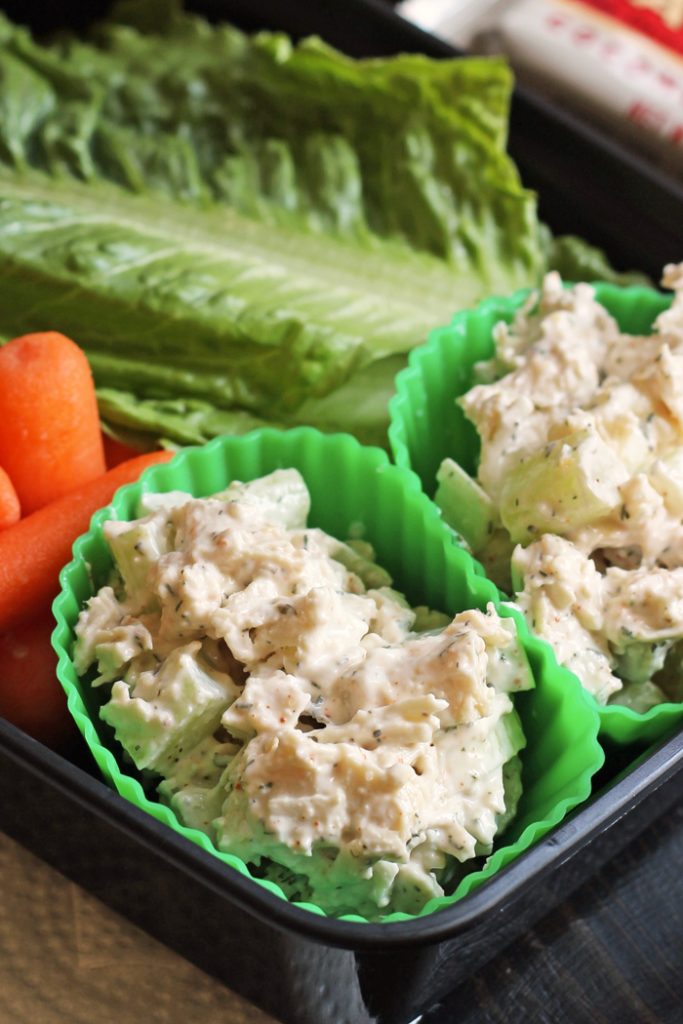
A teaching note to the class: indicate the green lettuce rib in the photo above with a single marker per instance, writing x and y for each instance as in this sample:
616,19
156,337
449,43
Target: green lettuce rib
255,228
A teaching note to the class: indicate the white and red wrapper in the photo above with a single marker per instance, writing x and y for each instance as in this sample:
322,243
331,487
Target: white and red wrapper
619,62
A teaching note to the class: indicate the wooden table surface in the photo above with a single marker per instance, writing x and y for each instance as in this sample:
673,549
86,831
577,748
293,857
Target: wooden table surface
612,953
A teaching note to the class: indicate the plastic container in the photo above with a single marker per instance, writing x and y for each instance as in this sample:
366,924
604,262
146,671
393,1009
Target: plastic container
301,967
354,492
427,426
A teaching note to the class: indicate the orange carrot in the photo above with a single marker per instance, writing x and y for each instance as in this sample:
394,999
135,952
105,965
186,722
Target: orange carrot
50,440
34,550
116,451
10,510
30,695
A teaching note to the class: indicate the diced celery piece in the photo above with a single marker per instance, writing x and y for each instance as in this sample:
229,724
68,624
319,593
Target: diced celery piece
122,645
358,556
640,661
502,742
670,678
566,484
639,697
282,497
465,506
136,547
508,668
198,807
190,700
203,765
427,620
196,790
153,501
500,753
512,785
517,570
510,735
495,558
666,476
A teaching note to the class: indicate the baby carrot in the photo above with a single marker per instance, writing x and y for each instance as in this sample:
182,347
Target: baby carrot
34,550
30,695
50,440
10,510
116,451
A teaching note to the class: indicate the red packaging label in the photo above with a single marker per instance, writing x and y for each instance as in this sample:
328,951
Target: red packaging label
660,19
614,73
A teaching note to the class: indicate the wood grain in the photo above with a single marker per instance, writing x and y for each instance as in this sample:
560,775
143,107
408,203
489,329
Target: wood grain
613,954
65,958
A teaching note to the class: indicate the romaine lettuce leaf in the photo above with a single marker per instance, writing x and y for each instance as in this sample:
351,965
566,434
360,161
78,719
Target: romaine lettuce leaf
577,260
256,230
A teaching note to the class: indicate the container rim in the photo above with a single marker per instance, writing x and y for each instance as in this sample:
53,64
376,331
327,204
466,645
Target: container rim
656,767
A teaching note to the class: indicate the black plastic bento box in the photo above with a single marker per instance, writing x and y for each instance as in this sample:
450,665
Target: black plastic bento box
303,968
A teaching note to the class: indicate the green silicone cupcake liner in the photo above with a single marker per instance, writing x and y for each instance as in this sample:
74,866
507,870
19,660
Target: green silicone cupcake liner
355,491
426,426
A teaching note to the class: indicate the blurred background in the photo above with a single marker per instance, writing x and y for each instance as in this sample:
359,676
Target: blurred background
617,62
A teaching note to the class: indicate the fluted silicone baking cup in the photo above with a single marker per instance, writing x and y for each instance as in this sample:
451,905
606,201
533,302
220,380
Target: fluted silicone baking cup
355,491
426,426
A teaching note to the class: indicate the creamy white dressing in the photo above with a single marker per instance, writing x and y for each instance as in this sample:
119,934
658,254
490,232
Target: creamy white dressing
581,432
296,714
